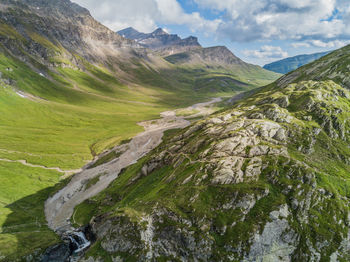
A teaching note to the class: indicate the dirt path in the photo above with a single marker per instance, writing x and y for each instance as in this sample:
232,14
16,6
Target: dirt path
60,207
25,163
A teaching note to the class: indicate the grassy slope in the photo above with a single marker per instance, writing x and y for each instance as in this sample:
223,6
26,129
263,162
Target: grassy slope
22,221
334,66
222,77
63,129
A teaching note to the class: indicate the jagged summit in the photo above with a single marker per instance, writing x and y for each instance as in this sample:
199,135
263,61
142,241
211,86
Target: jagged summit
161,41
159,32
131,33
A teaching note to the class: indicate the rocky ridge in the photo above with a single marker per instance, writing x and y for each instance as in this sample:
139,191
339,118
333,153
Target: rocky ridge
161,41
265,180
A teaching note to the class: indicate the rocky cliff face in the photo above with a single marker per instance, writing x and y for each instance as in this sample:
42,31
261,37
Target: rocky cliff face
161,41
264,181
47,29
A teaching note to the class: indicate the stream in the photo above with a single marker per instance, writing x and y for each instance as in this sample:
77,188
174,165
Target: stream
60,207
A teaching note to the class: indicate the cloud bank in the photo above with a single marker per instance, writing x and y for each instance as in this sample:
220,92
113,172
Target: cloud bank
267,52
252,20
144,15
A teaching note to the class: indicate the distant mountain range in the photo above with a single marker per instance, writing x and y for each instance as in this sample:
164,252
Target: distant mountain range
230,71
161,41
287,65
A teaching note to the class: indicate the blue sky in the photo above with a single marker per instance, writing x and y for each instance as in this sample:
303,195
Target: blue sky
258,31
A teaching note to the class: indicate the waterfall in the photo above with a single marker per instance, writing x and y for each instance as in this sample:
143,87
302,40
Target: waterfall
78,240
74,243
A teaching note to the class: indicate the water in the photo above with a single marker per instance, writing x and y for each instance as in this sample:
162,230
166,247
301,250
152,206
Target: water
78,243
74,243
79,240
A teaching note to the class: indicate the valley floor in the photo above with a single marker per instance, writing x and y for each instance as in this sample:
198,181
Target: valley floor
37,174
60,207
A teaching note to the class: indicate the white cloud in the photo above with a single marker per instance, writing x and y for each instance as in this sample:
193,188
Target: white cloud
251,20
300,45
144,15
267,52
331,44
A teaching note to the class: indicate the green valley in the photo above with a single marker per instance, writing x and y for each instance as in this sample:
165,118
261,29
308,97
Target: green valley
63,102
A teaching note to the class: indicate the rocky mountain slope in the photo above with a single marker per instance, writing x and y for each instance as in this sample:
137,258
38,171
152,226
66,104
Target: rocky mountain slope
47,29
267,180
287,65
161,41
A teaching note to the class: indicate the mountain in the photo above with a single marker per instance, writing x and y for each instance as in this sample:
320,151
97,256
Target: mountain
70,89
227,72
161,41
131,33
65,25
265,180
220,58
284,66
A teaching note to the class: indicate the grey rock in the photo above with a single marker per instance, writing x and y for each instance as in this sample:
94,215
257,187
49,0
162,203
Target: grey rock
282,101
277,242
57,253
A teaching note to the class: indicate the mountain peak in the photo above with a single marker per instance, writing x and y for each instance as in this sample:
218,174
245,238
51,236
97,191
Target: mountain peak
130,28
159,31
131,33
161,41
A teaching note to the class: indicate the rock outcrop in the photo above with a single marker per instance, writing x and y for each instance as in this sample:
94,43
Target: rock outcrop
258,182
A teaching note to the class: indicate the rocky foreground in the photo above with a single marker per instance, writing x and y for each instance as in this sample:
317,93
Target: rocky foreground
264,181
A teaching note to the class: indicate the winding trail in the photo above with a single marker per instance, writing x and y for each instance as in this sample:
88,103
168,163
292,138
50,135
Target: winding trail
25,163
60,207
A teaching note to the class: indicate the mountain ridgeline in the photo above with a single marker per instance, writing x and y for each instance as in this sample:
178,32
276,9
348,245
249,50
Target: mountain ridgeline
266,180
287,65
161,41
